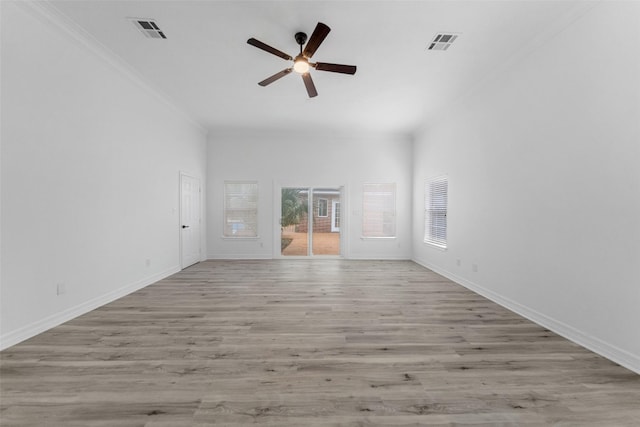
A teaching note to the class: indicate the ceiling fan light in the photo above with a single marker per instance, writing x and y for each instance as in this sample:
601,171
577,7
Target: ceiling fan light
301,65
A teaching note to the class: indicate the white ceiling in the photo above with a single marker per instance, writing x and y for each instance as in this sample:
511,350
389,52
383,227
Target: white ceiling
206,68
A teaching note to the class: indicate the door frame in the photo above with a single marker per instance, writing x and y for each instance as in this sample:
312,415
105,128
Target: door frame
181,217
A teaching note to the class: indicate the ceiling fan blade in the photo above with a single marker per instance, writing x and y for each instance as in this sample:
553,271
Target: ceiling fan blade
275,77
336,68
308,82
267,48
316,39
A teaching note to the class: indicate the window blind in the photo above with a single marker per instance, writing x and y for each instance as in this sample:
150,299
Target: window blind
240,209
379,210
435,213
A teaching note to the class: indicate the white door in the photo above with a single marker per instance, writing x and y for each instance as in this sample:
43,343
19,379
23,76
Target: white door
189,220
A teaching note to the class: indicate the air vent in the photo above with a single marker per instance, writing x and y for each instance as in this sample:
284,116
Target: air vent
149,28
442,41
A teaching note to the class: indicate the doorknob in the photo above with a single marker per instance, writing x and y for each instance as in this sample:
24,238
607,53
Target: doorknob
185,226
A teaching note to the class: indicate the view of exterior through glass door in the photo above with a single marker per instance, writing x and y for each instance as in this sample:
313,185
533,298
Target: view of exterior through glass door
310,221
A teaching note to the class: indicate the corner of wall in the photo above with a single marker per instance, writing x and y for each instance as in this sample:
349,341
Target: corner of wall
48,13
611,352
21,334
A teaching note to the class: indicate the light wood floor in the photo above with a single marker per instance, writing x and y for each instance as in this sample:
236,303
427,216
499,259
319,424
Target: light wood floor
309,343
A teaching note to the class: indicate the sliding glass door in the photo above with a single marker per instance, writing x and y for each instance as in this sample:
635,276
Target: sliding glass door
310,221
294,239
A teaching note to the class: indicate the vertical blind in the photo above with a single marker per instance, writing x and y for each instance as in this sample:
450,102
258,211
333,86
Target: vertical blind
379,210
240,209
435,212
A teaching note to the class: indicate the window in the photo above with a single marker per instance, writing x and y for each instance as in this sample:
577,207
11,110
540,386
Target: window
240,209
323,207
379,210
435,211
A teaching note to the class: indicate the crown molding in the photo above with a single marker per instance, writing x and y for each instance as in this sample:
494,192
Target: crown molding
48,13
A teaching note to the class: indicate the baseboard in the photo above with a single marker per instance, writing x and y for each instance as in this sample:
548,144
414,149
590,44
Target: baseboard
227,256
14,337
611,352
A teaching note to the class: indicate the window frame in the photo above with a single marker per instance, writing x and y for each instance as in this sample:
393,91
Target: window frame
436,210
253,198
326,208
388,217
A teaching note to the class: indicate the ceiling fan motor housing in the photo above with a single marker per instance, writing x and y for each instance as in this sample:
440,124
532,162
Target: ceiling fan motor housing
301,38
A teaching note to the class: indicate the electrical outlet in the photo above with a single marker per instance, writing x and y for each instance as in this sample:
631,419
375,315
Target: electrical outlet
458,262
61,288
474,267
147,262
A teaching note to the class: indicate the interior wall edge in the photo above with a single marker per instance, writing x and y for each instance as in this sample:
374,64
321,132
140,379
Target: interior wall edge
540,40
305,136
603,348
14,337
45,11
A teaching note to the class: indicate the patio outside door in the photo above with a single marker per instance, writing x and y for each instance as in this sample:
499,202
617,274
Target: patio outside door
308,221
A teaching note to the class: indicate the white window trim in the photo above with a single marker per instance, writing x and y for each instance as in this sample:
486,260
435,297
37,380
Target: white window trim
326,207
428,238
224,210
395,224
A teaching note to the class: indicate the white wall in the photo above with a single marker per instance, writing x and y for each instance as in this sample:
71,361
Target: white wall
283,159
544,192
90,173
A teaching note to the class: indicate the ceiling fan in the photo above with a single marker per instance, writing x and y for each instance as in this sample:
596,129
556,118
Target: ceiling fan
301,63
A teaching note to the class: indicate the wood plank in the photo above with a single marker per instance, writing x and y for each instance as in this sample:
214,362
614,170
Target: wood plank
313,343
